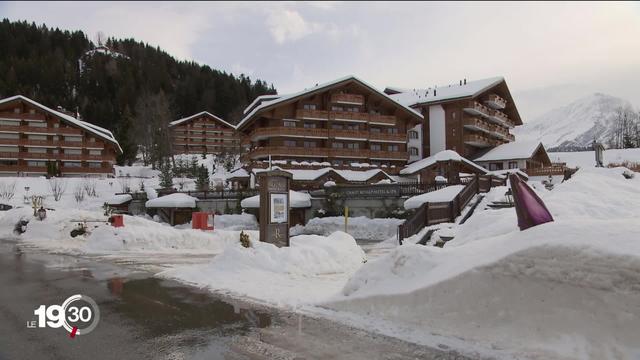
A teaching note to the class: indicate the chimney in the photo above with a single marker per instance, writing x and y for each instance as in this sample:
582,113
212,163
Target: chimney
461,83
465,81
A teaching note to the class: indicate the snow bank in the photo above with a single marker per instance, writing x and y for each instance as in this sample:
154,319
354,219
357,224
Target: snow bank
311,269
442,195
563,289
177,200
119,199
360,227
236,222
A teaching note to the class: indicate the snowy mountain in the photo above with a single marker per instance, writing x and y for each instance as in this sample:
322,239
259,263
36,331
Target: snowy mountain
574,125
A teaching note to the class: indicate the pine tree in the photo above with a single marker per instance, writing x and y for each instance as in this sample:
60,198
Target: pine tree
202,180
166,175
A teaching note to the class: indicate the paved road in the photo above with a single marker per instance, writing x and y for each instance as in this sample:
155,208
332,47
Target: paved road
147,318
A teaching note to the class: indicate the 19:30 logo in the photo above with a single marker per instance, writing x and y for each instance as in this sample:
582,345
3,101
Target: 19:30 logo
79,319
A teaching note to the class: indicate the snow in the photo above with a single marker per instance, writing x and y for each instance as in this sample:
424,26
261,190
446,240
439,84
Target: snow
505,173
266,104
329,184
360,227
359,176
136,171
511,151
566,289
198,115
177,200
443,195
310,175
119,199
588,158
576,124
235,222
445,155
311,269
296,199
410,97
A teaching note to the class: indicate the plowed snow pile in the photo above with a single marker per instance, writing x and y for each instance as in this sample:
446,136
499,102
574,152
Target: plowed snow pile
567,289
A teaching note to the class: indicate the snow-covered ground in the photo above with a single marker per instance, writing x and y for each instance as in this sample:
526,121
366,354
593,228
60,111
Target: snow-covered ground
360,227
588,158
566,289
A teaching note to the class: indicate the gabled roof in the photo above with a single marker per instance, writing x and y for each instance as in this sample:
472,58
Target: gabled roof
257,101
195,116
269,104
347,175
445,155
413,97
512,151
91,128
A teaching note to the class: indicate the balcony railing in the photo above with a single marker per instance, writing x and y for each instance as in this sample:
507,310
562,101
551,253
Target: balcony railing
347,99
312,114
264,152
348,116
263,133
47,130
496,102
382,119
23,168
23,116
350,153
500,118
479,140
350,134
50,143
394,155
387,137
475,108
46,156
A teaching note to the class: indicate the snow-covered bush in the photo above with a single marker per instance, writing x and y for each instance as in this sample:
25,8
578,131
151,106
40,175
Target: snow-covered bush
58,187
7,190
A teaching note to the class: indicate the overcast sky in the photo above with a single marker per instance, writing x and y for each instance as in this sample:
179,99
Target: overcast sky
549,53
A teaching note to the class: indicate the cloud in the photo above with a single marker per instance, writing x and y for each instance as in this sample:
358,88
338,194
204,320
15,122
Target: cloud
287,25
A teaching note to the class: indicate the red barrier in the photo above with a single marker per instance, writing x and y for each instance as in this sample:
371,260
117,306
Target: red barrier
117,221
200,220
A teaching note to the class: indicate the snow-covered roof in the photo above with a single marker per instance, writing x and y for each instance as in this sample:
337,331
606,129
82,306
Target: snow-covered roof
195,116
284,98
511,151
257,101
296,198
442,195
360,176
505,173
119,199
410,97
176,200
94,129
238,173
348,175
444,155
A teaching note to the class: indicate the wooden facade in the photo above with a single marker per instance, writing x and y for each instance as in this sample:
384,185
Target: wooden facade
341,123
204,133
36,140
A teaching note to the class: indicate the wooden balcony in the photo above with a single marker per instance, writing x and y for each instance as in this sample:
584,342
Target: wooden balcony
475,108
350,99
500,118
348,116
86,170
42,130
46,156
312,114
389,155
382,119
477,124
399,138
22,116
479,140
495,102
348,134
349,153
23,168
51,143
264,152
264,133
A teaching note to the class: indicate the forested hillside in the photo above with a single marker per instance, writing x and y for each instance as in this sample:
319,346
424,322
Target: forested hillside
116,89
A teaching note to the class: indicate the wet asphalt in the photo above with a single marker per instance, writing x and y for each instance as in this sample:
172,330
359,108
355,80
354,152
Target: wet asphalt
143,317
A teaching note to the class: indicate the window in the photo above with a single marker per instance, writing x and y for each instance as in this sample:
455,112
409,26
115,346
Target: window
309,144
513,164
375,130
37,150
289,124
92,139
353,146
38,124
8,162
290,143
37,163
309,106
353,109
337,145
375,147
413,134
8,149
352,127
37,137
73,138
10,122
413,151
95,165
337,163
72,164
392,147
73,151
336,108
9,136
392,130
308,125
336,126
95,152
495,166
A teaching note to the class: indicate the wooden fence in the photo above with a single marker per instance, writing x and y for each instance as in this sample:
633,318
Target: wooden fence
382,190
439,212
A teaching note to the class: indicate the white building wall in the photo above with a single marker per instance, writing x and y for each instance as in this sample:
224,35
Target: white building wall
437,127
415,143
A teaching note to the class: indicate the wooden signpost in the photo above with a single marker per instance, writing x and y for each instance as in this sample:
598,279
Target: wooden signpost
274,207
